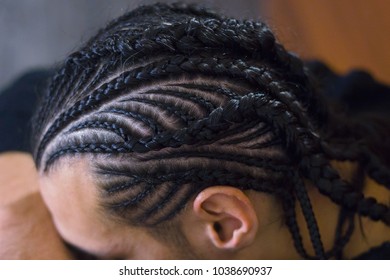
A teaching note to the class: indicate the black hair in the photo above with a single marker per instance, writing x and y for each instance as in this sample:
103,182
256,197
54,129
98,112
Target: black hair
171,99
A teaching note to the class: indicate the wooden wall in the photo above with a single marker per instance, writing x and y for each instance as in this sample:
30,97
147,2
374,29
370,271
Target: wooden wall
345,33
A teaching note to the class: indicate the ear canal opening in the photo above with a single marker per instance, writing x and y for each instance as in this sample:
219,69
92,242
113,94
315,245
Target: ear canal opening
223,236
217,227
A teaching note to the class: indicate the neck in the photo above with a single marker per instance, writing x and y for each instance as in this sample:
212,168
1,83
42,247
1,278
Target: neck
367,233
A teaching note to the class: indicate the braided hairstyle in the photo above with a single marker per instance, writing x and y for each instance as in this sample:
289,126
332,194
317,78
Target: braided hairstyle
171,99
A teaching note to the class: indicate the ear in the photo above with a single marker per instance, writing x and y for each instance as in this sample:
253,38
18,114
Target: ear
229,217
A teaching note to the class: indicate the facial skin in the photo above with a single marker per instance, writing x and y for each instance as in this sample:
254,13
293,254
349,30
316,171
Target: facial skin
26,228
221,222
72,197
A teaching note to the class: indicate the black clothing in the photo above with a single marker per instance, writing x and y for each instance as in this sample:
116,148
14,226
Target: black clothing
17,105
381,252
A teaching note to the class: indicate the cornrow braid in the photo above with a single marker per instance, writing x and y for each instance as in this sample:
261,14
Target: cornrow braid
177,64
168,100
257,35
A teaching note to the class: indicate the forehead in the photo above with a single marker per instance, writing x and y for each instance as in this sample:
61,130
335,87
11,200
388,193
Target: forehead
72,197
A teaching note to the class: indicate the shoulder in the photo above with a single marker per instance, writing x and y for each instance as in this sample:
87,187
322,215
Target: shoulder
18,102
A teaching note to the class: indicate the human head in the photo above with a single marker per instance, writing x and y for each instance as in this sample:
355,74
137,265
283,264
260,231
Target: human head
169,102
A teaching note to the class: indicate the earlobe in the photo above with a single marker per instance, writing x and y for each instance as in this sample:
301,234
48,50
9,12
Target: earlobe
230,219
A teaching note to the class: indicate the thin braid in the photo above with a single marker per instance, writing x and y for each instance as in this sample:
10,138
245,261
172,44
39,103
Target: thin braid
112,127
86,148
191,179
113,88
309,217
220,119
170,108
134,200
117,188
167,197
291,222
359,151
222,37
153,124
179,206
340,239
329,183
314,232
46,101
226,92
172,99
209,106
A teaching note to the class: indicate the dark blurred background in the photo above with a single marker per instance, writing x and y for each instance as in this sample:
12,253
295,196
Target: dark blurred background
344,33
37,33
